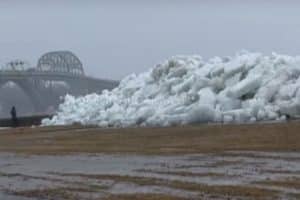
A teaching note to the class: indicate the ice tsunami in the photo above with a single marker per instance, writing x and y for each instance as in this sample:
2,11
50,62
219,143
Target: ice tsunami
248,87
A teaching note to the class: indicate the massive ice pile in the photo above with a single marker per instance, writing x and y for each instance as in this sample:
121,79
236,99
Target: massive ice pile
248,87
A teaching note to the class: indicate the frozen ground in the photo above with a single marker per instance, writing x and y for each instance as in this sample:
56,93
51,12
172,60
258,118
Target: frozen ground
228,175
247,87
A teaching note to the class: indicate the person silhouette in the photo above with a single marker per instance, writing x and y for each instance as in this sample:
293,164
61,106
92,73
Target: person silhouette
14,118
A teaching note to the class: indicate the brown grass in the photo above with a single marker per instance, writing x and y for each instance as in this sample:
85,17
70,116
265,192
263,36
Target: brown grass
68,194
172,140
182,173
143,196
221,190
288,183
158,141
60,193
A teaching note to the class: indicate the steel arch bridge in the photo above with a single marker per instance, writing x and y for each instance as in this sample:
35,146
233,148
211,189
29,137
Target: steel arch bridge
62,62
52,67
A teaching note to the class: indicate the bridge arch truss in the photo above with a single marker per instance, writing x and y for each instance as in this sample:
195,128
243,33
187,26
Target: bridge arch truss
60,62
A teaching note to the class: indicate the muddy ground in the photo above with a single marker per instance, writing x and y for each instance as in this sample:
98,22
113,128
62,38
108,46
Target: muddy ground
258,161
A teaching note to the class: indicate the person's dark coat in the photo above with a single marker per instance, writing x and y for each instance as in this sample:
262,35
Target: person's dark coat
14,118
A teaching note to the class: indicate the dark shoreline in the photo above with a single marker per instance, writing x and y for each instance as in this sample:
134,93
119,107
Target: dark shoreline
24,121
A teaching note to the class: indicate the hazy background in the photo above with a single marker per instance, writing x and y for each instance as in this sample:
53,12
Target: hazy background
114,38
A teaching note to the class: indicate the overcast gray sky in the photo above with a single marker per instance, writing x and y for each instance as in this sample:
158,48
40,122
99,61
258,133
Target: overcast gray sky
114,38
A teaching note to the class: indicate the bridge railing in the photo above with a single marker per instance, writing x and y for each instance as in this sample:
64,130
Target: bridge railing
49,75
36,73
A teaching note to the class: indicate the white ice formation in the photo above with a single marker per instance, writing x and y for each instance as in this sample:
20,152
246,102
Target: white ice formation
248,87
